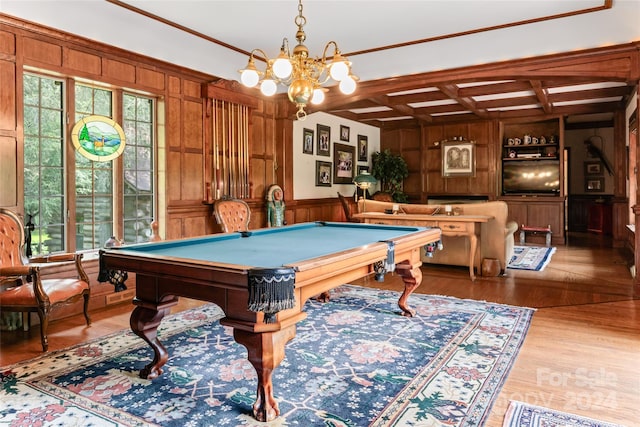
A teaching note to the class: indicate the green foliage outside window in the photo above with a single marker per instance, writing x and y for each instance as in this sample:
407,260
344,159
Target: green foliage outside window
138,168
43,162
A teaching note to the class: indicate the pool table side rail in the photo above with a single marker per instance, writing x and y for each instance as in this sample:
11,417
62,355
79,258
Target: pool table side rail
135,258
164,276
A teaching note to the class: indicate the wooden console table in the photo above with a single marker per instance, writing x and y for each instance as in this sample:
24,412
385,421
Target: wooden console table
451,225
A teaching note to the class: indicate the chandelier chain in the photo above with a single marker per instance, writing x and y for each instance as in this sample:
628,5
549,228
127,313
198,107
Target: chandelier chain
300,20
303,74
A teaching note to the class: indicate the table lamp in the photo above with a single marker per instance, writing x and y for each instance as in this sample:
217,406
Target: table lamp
364,181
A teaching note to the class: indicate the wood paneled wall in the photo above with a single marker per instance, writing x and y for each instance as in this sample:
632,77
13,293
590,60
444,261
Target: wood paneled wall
185,210
426,180
10,151
29,47
420,147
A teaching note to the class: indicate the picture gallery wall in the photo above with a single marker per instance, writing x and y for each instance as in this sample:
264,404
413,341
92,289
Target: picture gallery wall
328,153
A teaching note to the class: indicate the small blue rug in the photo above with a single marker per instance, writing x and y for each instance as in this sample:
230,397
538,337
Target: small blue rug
533,258
521,414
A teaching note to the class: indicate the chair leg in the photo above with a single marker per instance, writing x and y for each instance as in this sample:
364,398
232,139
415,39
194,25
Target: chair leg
86,308
44,324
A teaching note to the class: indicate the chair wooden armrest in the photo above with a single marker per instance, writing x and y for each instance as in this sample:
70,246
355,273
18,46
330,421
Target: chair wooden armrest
54,258
61,259
17,270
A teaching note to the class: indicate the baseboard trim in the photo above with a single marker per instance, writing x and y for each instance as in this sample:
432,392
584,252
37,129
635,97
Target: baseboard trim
120,297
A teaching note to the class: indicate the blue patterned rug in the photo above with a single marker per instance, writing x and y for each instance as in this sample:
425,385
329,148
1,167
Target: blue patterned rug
354,362
534,258
520,414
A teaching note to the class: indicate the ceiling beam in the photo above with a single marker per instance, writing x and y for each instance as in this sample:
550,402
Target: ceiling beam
468,103
543,95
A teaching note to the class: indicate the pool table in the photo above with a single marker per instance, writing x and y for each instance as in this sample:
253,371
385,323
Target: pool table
261,280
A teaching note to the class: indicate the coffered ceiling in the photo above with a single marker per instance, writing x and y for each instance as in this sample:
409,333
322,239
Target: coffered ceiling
589,91
419,61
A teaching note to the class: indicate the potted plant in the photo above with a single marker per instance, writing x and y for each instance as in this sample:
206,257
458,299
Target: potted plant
390,170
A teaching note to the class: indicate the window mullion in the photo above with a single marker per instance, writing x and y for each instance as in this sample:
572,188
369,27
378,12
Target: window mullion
118,174
70,168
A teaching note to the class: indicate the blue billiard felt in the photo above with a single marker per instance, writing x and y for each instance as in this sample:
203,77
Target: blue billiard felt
275,247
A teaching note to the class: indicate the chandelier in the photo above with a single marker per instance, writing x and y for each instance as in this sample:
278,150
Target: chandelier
304,75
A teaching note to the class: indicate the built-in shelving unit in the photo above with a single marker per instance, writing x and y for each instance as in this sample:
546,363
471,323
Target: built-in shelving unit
532,174
531,158
530,151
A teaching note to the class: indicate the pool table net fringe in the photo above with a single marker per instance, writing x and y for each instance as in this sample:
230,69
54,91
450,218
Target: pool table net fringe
271,290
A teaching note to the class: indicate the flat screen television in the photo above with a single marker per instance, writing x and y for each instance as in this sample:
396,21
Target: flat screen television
531,177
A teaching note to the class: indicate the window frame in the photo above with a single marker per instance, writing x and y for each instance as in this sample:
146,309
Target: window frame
118,168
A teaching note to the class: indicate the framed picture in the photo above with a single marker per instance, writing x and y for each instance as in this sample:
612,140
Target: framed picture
307,141
324,138
363,148
344,133
343,163
593,168
594,185
323,174
362,169
458,159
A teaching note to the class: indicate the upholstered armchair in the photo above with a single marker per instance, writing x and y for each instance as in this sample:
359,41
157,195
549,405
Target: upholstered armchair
232,214
22,288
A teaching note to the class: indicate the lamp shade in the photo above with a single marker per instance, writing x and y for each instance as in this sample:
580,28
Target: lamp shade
268,87
365,180
249,77
282,67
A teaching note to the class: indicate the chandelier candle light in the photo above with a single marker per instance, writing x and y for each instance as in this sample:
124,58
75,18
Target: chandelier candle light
304,75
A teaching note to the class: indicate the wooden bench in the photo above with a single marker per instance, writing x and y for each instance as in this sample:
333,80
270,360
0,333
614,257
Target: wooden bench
535,230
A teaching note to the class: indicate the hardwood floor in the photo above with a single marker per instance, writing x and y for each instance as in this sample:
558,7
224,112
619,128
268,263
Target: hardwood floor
581,355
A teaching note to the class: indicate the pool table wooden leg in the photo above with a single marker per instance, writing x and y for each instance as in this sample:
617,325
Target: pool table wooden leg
144,323
412,277
265,352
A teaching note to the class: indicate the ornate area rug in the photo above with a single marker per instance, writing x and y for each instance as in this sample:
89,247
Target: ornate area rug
354,362
520,414
534,258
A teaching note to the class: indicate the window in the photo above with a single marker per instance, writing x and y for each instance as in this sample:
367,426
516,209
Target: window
98,199
94,205
44,175
138,168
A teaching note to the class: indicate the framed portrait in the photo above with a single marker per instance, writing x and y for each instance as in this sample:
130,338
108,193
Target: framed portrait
307,141
323,174
363,148
458,159
343,163
593,168
363,169
594,185
324,138
344,133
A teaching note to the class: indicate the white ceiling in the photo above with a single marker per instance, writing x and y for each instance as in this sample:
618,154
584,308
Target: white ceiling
187,32
355,25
